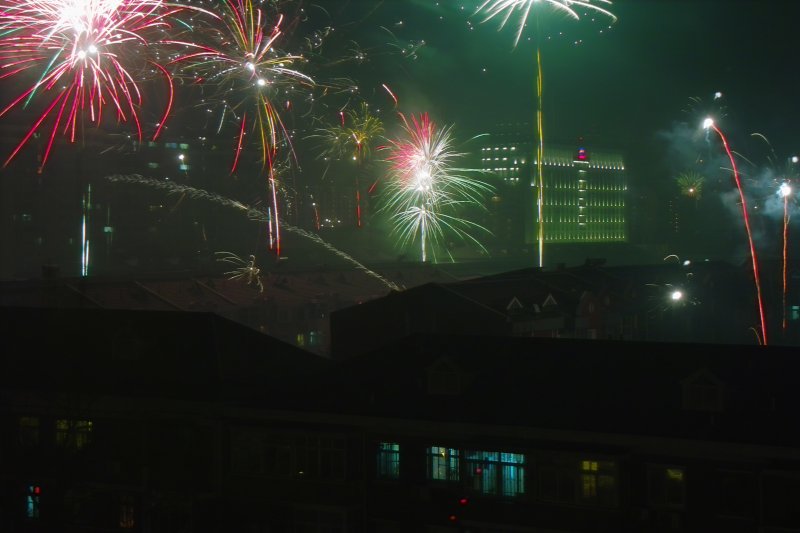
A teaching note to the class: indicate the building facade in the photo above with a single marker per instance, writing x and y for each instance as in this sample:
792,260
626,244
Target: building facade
584,193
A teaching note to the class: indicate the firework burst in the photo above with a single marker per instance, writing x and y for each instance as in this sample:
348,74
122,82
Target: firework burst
690,184
505,10
82,56
244,270
353,137
425,191
239,60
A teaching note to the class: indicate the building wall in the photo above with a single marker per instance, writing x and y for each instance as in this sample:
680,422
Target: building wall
585,189
584,196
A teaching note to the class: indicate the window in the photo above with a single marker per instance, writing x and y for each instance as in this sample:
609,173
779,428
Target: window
315,338
598,482
255,453
32,501
495,472
513,473
73,434
666,486
28,431
736,493
703,391
443,464
319,457
126,509
388,460
443,378
588,481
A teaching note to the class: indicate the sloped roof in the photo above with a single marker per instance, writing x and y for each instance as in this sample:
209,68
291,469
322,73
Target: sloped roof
600,386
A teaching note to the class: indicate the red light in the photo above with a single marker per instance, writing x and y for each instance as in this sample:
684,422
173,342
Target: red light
463,501
453,518
36,490
479,471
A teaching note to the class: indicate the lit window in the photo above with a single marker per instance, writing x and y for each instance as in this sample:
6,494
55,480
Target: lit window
301,339
666,486
495,472
388,460
126,513
75,434
315,338
443,464
598,482
32,501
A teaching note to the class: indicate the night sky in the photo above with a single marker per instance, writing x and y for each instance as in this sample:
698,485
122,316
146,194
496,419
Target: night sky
624,86
617,88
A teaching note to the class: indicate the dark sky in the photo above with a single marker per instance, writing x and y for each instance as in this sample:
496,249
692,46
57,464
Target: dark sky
618,88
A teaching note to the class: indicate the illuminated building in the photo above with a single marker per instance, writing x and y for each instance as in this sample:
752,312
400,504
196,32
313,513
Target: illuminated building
584,196
585,188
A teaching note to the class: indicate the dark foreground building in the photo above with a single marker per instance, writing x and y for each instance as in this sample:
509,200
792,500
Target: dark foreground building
166,421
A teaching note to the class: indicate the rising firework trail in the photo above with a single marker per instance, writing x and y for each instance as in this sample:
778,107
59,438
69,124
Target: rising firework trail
86,56
709,124
504,10
251,212
425,191
785,192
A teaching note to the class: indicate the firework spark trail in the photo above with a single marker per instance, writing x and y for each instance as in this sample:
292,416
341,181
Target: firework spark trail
241,61
785,191
88,55
251,212
424,185
710,124
242,64
504,9
244,270
354,140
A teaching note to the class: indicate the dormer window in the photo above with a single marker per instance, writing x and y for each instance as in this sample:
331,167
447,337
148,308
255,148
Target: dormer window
702,391
444,378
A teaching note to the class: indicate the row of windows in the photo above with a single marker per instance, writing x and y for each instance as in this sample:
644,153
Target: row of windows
583,202
74,434
594,187
496,473
591,165
585,237
126,507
